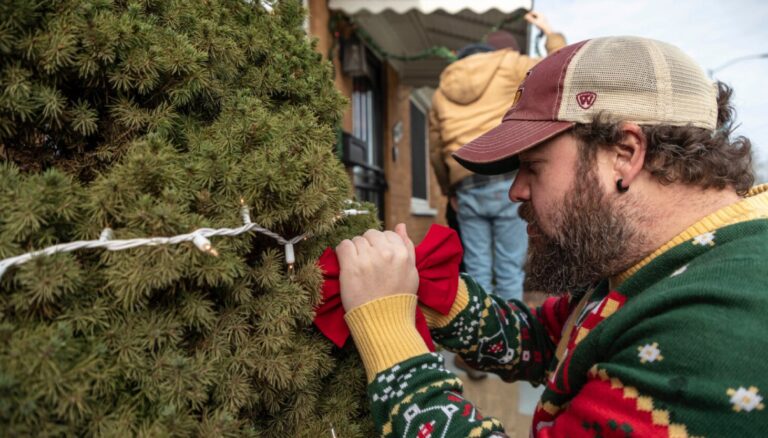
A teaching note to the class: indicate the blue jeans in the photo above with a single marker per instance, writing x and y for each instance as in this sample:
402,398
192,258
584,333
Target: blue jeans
494,237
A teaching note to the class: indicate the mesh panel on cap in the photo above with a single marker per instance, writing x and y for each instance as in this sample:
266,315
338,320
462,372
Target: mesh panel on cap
639,80
694,96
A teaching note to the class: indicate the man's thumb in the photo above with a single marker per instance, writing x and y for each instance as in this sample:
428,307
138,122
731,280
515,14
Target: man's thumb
401,231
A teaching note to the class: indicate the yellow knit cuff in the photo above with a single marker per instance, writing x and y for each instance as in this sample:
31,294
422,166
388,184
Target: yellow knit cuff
436,319
385,332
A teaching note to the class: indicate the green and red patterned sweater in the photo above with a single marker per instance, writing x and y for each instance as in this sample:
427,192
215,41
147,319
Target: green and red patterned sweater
678,346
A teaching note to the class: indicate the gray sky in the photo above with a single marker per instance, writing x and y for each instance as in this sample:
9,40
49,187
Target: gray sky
712,32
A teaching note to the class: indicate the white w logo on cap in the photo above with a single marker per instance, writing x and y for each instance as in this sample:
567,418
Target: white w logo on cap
586,99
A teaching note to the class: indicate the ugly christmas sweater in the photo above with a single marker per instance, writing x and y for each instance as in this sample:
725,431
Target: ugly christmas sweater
677,347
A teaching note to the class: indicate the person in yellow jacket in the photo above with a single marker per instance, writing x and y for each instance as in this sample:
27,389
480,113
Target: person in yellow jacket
473,95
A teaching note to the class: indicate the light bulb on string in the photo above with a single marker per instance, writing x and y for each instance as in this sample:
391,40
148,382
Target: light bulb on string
203,244
106,234
245,213
290,258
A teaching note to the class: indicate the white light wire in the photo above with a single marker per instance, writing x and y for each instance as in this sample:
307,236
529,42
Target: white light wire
198,237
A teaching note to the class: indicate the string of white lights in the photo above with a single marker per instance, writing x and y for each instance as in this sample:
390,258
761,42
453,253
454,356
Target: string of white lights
198,237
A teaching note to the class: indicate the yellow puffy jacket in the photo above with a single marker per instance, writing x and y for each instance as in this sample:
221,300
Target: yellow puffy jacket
473,96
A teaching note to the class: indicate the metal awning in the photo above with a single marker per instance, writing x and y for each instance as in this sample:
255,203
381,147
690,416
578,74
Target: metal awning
408,27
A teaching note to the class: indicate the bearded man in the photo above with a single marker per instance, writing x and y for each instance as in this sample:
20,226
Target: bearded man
643,225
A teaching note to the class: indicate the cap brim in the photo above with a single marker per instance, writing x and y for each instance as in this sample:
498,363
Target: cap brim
496,151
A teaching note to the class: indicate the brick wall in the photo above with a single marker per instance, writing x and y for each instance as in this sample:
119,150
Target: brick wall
318,28
397,200
399,177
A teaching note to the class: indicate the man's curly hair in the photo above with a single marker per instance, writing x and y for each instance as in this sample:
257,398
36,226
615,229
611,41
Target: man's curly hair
684,154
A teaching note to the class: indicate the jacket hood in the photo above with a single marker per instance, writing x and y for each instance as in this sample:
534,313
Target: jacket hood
465,80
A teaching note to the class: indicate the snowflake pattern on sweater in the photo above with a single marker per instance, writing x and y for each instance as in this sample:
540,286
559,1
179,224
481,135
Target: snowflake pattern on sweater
655,357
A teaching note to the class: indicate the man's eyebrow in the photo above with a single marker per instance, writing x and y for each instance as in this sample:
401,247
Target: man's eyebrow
531,159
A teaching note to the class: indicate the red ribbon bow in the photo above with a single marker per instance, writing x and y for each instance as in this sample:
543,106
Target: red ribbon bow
437,260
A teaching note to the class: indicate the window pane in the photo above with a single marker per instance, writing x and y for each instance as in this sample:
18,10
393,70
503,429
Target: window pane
369,126
367,115
418,152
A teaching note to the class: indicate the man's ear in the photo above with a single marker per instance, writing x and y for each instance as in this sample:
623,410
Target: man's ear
629,153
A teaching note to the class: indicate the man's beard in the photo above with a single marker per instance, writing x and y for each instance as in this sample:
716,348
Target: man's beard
593,239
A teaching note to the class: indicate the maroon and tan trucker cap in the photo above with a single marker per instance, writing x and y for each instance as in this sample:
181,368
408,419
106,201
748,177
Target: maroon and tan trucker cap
624,78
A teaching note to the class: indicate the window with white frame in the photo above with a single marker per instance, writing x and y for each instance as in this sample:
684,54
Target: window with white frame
420,157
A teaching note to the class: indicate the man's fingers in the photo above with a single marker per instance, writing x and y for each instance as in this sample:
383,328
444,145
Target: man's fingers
346,249
539,21
402,231
375,237
393,237
361,244
384,243
454,202
534,18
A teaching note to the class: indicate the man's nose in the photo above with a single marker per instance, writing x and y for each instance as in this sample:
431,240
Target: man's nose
519,192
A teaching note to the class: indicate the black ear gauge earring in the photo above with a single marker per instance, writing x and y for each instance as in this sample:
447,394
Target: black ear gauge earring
620,186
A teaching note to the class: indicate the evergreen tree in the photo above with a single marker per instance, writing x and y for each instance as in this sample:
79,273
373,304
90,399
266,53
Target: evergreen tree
155,118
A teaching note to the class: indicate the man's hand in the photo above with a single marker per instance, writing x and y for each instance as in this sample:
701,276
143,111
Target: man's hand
454,200
376,265
538,20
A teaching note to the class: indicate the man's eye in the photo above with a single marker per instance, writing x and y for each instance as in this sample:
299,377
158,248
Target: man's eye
530,167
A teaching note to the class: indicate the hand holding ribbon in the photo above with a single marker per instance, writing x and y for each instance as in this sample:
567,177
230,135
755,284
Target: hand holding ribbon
437,260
